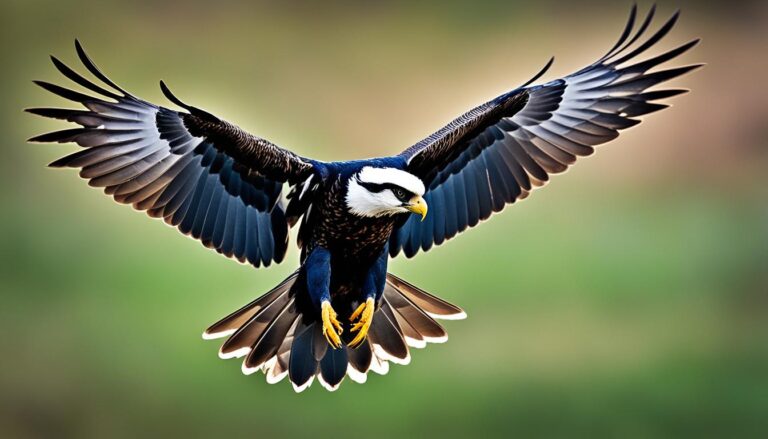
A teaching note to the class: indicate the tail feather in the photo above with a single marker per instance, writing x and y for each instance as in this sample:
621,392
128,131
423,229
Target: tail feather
333,367
244,338
319,343
360,358
387,338
302,365
434,306
285,347
275,337
234,321
426,326
279,369
412,337
268,344
378,365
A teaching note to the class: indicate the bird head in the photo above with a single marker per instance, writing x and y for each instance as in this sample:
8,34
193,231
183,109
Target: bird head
376,192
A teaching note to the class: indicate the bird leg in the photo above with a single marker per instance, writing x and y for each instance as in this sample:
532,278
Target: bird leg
365,314
331,325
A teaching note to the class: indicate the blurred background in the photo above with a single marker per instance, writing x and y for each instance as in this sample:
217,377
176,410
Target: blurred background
629,298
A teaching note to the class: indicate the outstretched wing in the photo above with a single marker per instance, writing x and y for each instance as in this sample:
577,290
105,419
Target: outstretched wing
499,152
205,176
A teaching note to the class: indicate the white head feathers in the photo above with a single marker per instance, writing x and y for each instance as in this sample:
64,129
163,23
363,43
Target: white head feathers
396,176
363,201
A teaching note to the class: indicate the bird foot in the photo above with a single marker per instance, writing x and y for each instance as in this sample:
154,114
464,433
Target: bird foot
365,314
331,325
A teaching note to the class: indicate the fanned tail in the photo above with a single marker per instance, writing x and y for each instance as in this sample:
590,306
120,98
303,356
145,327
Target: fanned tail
231,323
273,336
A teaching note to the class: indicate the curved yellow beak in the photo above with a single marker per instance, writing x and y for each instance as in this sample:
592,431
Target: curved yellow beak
418,206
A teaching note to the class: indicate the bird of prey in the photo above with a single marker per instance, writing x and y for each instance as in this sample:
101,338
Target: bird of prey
341,313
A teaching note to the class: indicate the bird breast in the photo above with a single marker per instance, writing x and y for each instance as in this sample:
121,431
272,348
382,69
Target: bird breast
346,235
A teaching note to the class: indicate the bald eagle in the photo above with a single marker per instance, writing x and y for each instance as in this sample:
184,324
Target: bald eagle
341,313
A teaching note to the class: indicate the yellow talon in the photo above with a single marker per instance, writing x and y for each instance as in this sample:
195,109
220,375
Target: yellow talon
357,312
365,313
331,326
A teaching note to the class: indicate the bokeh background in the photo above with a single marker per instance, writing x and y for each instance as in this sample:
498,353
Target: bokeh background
629,298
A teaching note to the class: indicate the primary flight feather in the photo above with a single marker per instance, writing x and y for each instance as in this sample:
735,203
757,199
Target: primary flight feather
341,313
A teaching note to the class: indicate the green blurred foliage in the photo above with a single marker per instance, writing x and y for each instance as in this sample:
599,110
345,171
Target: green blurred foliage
627,299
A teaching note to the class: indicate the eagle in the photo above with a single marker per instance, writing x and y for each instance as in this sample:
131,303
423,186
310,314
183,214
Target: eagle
341,312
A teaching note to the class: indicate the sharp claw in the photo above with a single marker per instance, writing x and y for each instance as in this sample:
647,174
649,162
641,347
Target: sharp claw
331,326
357,312
365,313
332,339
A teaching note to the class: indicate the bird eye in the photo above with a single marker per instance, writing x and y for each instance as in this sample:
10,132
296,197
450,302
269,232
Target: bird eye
399,193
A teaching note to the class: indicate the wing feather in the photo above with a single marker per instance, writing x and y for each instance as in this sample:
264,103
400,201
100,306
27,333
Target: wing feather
205,176
496,153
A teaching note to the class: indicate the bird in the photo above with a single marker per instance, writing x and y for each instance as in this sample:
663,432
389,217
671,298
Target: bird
341,312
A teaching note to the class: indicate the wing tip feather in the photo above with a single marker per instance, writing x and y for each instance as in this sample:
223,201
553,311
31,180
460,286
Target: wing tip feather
53,136
193,110
540,73
91,66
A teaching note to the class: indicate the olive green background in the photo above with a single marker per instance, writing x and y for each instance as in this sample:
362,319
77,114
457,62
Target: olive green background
628,298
